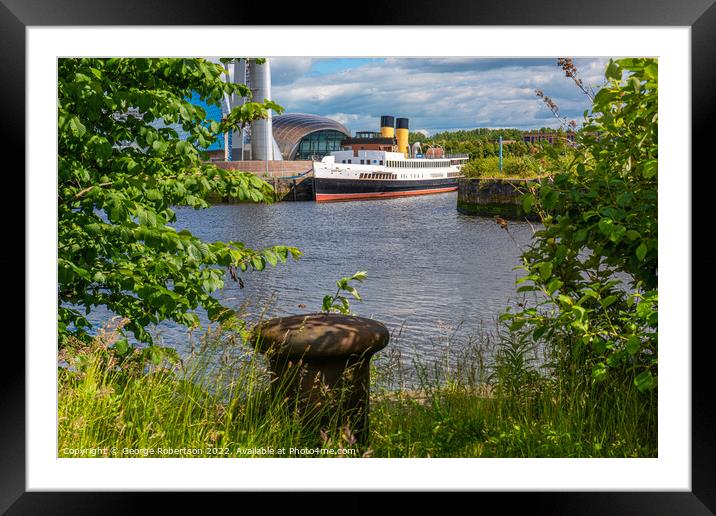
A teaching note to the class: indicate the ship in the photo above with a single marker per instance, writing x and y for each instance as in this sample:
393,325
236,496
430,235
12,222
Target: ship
378,165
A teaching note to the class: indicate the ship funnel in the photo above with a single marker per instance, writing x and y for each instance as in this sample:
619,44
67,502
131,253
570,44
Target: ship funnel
387,126
401,133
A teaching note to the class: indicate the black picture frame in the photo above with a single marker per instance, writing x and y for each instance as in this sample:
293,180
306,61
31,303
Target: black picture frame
699,15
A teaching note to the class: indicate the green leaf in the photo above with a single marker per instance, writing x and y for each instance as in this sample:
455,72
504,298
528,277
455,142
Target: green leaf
527,202
651,71
641,252
76,127
539,331
545,270
343,306
606,226
359,276
599,345
617,233
587,215
565,299
352,291
579,312
121,346
599,372
649,169
633,344
184,147
258,263
613,71
554,285
550,200
608,301
103,150
644,309
645,381
633,235
271,257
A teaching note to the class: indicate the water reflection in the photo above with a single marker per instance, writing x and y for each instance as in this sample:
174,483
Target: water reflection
429,267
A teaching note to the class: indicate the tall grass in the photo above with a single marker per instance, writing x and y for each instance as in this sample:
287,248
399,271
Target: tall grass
504,397
220,402
489,395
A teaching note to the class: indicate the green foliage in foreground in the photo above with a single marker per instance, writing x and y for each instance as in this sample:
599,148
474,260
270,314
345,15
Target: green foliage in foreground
508,407
338,302
120,174
600,227
220,404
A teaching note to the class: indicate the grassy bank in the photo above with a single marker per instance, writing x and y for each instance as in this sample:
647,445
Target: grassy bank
219,402
512,167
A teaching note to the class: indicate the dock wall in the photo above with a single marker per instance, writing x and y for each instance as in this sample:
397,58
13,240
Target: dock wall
268,168
493,196
292,180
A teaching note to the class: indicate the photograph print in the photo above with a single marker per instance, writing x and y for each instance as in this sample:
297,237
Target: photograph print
308,257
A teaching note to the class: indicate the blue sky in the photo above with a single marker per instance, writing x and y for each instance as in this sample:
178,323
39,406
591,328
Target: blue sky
436,94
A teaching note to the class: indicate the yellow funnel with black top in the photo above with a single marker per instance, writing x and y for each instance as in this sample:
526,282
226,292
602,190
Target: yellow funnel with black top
386,126
401,134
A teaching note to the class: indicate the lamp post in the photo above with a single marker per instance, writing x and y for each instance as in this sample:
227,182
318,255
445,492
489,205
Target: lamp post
500,154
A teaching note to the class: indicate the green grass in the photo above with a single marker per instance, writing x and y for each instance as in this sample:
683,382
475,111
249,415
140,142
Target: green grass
513,167
221,402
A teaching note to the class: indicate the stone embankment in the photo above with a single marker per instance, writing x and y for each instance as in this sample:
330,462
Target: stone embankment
493,196
292,180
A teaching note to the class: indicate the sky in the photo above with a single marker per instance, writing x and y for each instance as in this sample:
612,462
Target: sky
435,94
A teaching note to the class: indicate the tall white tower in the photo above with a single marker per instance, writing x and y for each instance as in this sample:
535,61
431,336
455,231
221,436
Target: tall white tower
261,130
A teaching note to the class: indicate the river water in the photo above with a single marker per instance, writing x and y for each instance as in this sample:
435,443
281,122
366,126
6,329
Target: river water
434,275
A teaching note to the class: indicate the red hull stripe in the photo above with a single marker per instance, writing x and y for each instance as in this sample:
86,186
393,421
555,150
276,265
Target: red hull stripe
379,195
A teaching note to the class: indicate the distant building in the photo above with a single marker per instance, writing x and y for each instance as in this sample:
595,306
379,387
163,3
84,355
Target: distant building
537,137
213,114
216,150
301,136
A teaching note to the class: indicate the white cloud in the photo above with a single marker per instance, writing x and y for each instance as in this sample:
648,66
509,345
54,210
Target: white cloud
285,70
439,94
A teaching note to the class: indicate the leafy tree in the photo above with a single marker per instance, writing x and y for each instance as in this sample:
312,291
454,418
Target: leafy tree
595,260
122,169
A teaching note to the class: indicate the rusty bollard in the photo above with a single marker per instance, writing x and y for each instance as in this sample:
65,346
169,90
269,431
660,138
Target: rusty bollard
318,356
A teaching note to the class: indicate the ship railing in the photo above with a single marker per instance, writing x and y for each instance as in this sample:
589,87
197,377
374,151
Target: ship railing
448,156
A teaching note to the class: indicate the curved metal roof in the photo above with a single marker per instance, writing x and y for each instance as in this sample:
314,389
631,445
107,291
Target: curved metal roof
289,128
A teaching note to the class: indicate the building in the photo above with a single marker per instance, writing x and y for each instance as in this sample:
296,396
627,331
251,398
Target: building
217,150
287,137
536,137
302,136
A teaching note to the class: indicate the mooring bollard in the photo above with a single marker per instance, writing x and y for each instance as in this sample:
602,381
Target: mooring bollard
317,357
